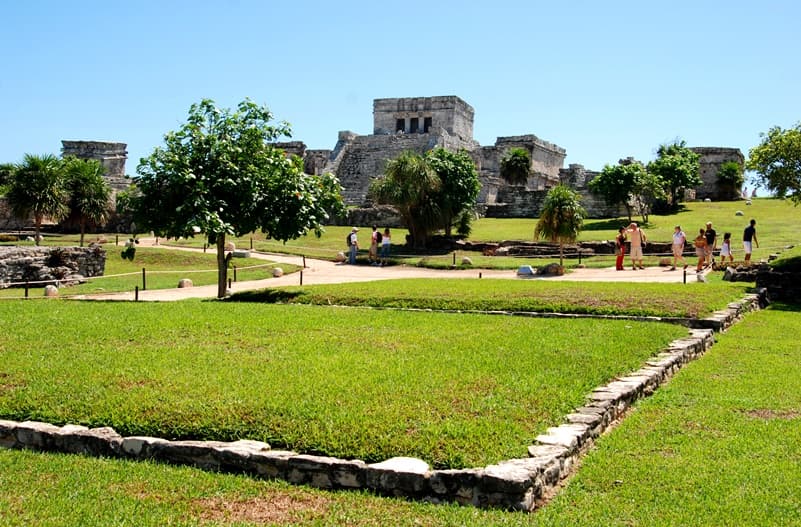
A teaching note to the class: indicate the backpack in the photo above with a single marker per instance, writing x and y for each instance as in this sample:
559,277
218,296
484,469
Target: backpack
378,237
348,239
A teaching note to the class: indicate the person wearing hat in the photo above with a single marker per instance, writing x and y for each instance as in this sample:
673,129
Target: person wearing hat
711,242
353,246
637,237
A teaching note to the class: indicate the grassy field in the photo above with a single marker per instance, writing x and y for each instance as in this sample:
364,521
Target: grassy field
292,376
164,268
777,222
718,445
691,300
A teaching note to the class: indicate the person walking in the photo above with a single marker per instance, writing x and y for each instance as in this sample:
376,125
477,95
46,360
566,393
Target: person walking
638,239
372,254
700,249
711,243
620,248
725,249
679,240
749,238
386,242
353,247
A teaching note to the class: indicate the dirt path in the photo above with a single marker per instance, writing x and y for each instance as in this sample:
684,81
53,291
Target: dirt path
326,272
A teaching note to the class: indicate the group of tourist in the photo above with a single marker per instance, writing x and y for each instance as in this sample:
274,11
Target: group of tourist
378,254
705,246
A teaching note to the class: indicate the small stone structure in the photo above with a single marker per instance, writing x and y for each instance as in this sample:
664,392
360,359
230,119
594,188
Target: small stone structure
516,484
111,155
712,158
40,266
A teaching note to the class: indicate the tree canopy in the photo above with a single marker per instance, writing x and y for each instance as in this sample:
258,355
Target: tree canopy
516,166
431,191
777,161
617,183
221,175
677,167
37,187
89,192
561,218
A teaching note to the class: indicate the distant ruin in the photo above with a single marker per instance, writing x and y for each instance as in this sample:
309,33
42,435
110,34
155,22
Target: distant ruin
111,155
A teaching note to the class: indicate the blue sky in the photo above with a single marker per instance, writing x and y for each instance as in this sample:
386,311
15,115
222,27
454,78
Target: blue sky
603,80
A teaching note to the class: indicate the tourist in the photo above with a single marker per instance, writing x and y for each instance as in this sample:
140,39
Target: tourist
372,254
749,236
353,247
700,249
620,248
385,246
711,243
725,248
679,239
638,239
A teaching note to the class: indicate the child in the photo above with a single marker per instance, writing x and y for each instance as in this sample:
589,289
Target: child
725,249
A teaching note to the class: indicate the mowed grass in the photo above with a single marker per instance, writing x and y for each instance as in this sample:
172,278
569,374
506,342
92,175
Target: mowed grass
717,445
690,300
454,390
163,269
777,222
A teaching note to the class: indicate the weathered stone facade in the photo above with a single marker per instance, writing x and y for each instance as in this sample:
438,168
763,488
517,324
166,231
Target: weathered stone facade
111,155
40,266
712,158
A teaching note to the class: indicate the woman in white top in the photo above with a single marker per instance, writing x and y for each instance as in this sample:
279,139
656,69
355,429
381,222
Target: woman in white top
385,245
679,239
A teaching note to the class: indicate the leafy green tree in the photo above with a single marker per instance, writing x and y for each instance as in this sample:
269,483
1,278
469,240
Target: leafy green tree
409,182
459,187
516,166
730,179
561,218
219,174
677,167
89,192
617,183
37,187
777,161
6,171
648,190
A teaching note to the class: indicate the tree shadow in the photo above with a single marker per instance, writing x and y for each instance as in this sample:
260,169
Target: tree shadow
607,225
265,296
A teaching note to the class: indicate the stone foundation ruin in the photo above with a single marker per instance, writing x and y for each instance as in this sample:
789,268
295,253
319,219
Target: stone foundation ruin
41,266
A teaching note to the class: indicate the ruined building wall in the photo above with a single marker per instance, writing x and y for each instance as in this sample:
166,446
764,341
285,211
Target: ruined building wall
111,155
423,114
712,158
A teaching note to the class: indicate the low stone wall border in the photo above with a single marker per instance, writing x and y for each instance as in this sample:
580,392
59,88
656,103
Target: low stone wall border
515,484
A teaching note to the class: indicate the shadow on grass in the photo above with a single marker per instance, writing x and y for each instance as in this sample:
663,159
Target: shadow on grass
782,306
265,296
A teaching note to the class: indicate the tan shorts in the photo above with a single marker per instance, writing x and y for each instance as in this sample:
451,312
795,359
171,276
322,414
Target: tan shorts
636,252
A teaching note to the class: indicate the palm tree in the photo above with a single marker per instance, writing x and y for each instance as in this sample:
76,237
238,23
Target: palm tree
408,183
561,219
516,166
89,192
37,187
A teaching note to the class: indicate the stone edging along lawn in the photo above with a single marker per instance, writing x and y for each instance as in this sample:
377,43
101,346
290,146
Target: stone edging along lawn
516,484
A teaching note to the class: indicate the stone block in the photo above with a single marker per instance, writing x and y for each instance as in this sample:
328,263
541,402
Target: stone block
399,476
33,434
456,484
51,291
101,442
140,447
185,283
241,253
526,271
8,436
278,272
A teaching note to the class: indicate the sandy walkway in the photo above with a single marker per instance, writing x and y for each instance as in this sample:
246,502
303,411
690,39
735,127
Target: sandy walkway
326,272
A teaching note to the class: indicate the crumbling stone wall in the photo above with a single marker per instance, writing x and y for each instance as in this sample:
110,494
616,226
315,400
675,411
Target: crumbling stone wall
111,155
41,266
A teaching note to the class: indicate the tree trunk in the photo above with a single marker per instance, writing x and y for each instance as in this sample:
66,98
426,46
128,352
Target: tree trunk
561,255
222,267
37,226
83,229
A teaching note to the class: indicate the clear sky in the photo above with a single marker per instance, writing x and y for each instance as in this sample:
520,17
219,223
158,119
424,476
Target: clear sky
602,79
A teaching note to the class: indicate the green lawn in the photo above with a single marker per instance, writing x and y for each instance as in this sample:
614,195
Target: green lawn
718,445
690,300
454,390
777,222
163,269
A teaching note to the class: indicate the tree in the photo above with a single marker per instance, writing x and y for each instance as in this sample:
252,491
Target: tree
561,219
777,161
89,192
459,187
37,187
616,183
408,182
516,166
648,189
219,174
677,167
6,170
730,179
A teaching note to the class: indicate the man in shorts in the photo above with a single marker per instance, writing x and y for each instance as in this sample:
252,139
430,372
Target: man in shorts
711,243
637,237
749,236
